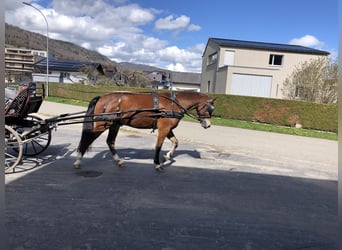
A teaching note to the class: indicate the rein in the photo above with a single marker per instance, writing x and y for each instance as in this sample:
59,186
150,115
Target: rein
173,100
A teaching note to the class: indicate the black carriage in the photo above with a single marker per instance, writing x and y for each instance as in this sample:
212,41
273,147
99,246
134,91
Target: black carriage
23,133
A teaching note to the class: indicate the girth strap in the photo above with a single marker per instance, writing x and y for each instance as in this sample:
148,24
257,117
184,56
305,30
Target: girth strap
173,98
155,100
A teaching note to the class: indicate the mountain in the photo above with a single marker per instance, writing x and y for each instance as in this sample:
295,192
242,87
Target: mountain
20,38
139,67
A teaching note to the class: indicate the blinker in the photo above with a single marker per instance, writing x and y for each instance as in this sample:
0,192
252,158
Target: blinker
210,109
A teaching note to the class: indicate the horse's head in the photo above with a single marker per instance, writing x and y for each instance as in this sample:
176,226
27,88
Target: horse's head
204,111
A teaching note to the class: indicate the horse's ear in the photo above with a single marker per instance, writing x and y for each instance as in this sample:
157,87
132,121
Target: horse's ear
214,99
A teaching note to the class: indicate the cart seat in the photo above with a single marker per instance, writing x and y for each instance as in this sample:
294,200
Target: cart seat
24,103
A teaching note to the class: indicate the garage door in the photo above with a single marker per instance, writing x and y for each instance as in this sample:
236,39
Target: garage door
251,85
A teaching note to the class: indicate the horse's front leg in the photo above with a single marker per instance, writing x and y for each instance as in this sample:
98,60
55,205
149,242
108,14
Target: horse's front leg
112,133
174,141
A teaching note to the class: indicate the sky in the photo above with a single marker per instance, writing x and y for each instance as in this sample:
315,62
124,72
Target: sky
173,34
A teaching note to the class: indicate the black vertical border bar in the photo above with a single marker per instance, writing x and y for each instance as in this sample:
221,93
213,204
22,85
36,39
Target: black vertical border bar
339,233
2,126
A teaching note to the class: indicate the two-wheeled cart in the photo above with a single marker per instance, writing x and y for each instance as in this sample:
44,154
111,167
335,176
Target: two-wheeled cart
21,136
27,134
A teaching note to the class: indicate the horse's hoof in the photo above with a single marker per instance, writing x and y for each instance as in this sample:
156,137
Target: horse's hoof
121,164
77,166
159,169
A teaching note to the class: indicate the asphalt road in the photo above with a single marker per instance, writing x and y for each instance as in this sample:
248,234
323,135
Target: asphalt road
225,189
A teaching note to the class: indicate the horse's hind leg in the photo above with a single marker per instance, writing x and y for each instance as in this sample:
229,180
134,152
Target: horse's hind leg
113,132
174,141
87,138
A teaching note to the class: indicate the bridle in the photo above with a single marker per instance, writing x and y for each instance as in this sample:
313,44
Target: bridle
209,109
207,105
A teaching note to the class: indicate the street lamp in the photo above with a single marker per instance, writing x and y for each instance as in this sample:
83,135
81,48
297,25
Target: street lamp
47,46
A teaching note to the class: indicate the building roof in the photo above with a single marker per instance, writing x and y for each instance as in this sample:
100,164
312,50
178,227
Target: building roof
178,77
186,77
267,46
63,65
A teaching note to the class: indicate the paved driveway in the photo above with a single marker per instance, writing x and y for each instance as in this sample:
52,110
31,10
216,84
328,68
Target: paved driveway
226,189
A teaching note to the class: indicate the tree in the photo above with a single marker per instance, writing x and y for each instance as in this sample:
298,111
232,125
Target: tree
314,81
133,78
90,72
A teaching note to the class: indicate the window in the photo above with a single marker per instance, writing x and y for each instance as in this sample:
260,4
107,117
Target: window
275,60
212,58
228,57
65,74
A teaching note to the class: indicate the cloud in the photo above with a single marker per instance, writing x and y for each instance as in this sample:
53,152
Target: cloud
168,57
333,55
190,58
113,28
13,4
172,23
175,23
308,41
176,67
79,7
193,27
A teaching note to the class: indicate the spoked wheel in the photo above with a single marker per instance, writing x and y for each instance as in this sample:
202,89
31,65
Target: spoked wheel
34,143
13,149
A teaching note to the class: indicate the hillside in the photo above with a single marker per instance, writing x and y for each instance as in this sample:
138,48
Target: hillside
139,67
20,38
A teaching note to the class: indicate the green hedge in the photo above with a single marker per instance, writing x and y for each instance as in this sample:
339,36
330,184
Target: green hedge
277,111
266,110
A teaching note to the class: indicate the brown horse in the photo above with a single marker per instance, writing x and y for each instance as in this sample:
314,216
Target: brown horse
161,111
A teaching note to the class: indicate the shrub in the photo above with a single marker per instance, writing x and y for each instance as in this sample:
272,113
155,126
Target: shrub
266,110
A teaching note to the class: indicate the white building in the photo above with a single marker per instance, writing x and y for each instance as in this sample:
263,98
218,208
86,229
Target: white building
251,68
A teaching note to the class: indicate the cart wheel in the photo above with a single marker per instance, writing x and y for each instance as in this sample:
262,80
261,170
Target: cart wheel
13,149
36,143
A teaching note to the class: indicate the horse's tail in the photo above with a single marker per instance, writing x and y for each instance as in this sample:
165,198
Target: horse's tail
87,136
89,118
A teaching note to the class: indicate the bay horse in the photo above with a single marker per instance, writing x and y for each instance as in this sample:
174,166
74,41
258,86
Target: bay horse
153,110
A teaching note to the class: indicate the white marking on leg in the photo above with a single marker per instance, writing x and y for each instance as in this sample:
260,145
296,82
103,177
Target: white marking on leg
77,163
169,154
119,161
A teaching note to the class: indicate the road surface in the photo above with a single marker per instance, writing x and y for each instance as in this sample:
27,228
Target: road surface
225,189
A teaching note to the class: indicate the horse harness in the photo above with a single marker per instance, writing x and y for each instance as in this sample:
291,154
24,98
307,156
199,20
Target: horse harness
165,113
172,114
161,112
